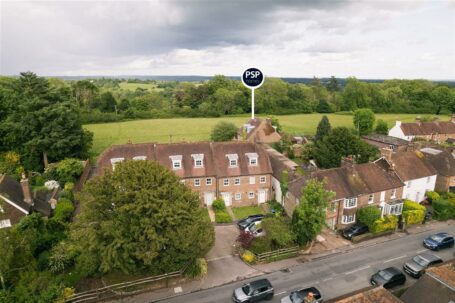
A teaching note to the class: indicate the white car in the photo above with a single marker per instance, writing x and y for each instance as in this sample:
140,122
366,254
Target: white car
255,229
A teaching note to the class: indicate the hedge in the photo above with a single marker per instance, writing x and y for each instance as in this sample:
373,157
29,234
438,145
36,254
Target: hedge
368,215
433,196
222,216
218,204
444,209
414,213
385,223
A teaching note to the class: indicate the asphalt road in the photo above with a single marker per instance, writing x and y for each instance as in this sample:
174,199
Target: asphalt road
335,275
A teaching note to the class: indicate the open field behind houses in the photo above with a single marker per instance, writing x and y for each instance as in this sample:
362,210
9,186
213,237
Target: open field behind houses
198,129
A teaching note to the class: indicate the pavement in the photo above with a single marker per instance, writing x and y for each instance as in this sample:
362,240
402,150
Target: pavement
226,269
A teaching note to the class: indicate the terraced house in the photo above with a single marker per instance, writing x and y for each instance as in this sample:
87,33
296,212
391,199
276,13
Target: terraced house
238,172
355,186
438,131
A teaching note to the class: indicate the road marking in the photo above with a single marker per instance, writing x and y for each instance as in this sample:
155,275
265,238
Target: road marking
422,250
219,258
327,279
356,270
280,293
393,259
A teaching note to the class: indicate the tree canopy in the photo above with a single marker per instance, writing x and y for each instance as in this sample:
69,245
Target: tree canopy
364,121
224,131
140,218
323,128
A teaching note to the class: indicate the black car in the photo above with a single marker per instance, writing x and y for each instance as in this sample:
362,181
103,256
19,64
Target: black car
417,265
245,222
439,241
388,277
299,296
355,230
254,291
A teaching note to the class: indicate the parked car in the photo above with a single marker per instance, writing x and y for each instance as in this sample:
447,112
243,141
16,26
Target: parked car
245,222
299,296
253,228
417,265
254,291
439,241
355,230
388,277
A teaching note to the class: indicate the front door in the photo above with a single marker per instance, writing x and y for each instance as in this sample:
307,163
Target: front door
208,198
227,198
262,195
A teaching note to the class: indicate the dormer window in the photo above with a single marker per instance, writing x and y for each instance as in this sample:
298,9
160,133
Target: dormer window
114,162
198,160
176,161
140,158
252,158
233,160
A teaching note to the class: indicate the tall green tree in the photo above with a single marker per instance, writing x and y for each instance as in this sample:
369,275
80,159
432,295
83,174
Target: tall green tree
381,127
223,131
323,128
309,216
364,121
43,122
333,85
140,218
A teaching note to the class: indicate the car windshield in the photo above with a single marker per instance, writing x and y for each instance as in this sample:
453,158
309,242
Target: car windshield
296,297
421,261
385,275
436,238
246,289
253,228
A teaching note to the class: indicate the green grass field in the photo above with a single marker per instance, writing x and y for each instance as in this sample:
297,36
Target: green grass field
198,129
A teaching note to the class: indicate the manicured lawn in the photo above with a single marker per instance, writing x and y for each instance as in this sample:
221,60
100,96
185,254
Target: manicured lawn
198,129
222,216
245,211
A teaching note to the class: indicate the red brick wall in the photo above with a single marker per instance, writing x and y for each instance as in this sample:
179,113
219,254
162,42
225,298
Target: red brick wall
244,188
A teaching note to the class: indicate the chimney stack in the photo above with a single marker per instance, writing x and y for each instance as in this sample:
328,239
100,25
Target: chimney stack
26,190
387,153
347,161
418,121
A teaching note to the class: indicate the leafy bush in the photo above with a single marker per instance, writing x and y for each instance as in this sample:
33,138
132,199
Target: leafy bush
444,209
248,256
65,194
222,216
68,170
411,205
413,213
218,204
385,223
278,231
276,207
368,215
433,196
261,245
63,210
245,239
197,269
69,186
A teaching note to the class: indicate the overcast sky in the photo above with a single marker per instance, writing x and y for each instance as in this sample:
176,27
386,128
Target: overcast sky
361,38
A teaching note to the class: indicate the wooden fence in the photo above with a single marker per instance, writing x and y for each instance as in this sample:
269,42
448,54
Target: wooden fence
121,289
277,254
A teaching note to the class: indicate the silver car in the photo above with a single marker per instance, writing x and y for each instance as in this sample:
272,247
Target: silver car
311,294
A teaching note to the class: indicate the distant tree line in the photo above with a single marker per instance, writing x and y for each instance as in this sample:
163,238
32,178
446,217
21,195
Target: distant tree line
104,99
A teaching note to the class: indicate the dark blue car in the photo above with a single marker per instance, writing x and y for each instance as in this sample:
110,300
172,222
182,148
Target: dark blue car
439,241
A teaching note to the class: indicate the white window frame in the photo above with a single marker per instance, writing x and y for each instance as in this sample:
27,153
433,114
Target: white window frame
238,196
253,161
333,207
409,184
225,182
197,182
5,223
382,196
395,209
1,209
137,158
176,164
237,181
251,195
371,199
233,160
428,179
198,160
233,163
208,181
345,219
253,180
114,162
349,201
262,179
198,163
393,194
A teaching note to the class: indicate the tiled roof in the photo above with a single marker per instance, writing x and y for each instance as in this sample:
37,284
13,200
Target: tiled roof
443,161
386,139
368,295
12,190
411,165
428,128
352,181
215,161
279,162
